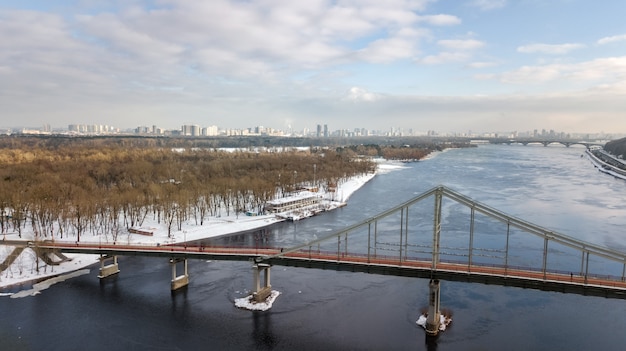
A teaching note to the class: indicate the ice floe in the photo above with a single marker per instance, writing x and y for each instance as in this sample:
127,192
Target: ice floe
48,283
443,322
249,304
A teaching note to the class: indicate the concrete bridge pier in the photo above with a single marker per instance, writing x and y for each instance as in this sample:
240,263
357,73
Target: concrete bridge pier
433,320
261,293
179,281
108,269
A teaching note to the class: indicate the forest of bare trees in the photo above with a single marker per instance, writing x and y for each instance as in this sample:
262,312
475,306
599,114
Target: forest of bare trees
404,152
62,187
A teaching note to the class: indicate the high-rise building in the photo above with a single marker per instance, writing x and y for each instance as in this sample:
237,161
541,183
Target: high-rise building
211,131
188,130
195,130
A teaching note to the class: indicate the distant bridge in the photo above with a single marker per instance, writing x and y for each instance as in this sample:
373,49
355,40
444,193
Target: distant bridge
544,142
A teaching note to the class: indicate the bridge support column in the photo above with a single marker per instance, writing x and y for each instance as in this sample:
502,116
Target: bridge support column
433,320
261,293
179,281
108,269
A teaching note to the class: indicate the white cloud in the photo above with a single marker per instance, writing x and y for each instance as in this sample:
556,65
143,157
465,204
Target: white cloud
308,34
231,62
612,39
360,94
342,22
600,70
216,60
41,54
259,39
385,15
552,49
413,5
481,64
133,41
399,46
457,50
461,44
445,57
611,68
216,49
440,20
532,74
388,50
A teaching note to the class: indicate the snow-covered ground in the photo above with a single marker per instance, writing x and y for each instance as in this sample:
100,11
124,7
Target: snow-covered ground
23,269
385,166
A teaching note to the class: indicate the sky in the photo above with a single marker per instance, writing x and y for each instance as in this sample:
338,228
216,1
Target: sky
441,65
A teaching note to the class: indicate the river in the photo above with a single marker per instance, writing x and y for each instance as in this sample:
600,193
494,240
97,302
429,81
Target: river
325,310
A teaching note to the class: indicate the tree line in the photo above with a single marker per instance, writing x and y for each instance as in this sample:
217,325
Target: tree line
62,187
403,152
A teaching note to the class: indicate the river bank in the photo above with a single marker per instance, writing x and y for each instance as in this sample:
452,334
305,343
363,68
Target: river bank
607,163
24,269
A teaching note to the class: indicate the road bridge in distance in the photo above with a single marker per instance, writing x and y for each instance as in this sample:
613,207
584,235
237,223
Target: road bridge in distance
542,141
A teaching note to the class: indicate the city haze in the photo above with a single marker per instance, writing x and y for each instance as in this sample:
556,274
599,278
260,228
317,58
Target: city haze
447,66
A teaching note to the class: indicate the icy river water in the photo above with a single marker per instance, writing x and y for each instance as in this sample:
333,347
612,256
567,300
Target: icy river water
325,310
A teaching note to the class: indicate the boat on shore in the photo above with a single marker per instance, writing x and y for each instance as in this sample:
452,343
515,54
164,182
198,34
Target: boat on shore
607,163
300,205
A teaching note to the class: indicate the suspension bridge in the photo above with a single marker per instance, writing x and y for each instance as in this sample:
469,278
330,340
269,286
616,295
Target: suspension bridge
425,237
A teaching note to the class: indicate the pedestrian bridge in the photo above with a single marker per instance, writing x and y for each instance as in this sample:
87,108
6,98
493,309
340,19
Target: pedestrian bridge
415,239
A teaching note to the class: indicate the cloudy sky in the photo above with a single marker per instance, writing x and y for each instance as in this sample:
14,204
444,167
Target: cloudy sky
446,65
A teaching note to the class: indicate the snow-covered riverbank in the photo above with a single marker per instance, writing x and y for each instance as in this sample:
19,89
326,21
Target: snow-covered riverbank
24,267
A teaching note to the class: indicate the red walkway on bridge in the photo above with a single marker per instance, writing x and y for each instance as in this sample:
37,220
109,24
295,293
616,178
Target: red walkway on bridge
344,258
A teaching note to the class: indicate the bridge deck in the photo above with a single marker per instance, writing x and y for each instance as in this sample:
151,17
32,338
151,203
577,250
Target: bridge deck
605,286
494,275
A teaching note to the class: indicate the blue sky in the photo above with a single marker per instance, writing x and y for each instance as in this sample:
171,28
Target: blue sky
447,65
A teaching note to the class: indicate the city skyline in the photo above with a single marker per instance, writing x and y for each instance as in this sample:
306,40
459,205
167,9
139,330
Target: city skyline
320,131
421,65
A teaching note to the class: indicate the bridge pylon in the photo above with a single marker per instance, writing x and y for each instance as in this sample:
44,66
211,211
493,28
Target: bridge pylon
108,269
261,293
433,319
179,281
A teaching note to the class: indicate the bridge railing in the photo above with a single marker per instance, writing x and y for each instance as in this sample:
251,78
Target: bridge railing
459,266
591,257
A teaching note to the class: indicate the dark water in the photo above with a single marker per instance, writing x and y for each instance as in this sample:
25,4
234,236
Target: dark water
326,310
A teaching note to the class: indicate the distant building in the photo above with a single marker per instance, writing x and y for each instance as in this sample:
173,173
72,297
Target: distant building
211,131
195,130
190,130
142,130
